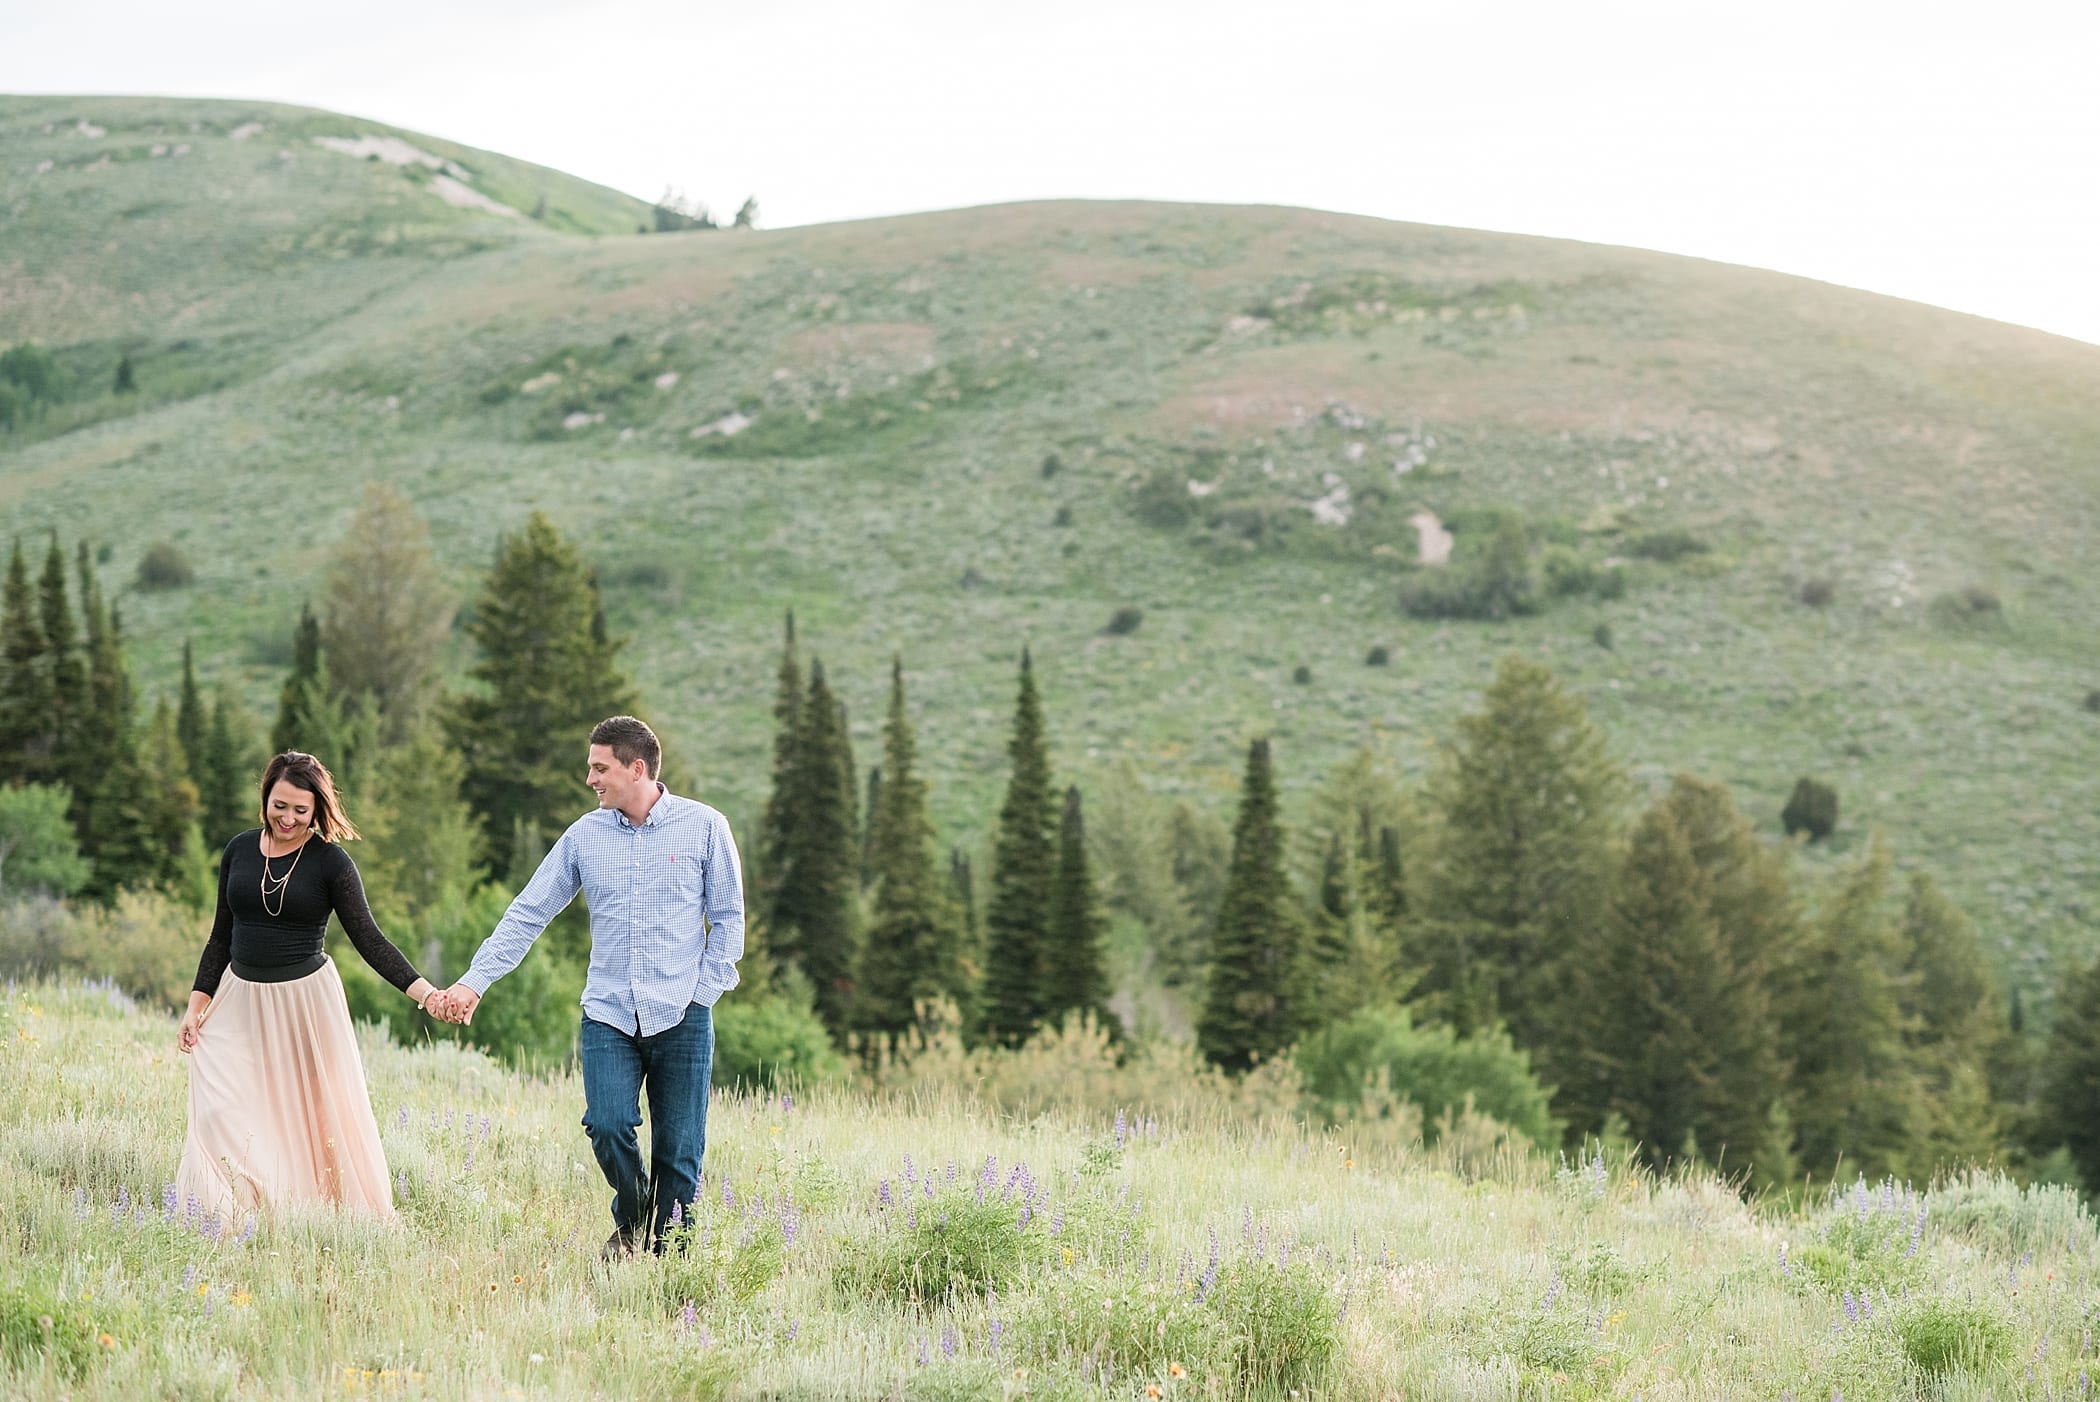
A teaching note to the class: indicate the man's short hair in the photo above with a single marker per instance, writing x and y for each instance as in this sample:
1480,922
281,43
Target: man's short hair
629,740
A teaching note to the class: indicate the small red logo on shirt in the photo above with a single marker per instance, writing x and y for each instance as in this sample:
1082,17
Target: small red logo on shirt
674,856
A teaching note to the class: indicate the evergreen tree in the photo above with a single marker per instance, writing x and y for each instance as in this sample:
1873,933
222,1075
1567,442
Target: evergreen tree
1024,863
191,722
1529,797
227,778
387,614
868,829
1074,979
771,848
422,846
64,688
963,887
2070,1089
26,739
169,802
813,925
1956,1024
548,671
1856,1091
1665,1012
909,956
1253,1007
303,691
125,381
115,826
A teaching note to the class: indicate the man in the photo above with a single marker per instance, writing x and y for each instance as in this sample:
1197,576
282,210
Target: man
666,896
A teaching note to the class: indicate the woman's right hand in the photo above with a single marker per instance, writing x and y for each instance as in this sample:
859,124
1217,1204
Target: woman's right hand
192,1028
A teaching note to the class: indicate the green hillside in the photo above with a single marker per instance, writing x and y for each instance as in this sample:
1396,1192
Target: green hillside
966,431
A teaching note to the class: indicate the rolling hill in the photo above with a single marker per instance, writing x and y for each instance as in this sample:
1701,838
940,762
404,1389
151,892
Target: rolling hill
947,435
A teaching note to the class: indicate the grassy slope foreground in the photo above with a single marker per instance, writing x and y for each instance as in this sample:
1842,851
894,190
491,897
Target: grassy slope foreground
971,430
1194,1260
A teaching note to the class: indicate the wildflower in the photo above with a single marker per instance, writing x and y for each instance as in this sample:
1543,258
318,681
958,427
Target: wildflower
882,1193
517,1280
1152,1389
787,1102
105,1340
1175,1370
925,1354
998,1333
689,1316
949,1341
1122,1128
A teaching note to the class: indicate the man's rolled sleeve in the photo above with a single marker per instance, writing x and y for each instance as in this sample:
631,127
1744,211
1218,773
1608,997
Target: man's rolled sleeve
724,896
549,892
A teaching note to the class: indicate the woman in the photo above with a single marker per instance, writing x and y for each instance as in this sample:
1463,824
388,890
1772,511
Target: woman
279,1114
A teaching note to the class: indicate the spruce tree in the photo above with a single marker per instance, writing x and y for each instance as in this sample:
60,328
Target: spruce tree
168,800
909,955
2070,1089
1661,1002
1529,796
422,846
1024,864
1955,1020
1252,1009
813,917
116,831
547,671
65,683
1856,1092
868,828
302,693
227,778
191,722
25,681
1075,983
771,847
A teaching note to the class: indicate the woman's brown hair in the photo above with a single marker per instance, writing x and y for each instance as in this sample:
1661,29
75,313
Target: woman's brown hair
303,771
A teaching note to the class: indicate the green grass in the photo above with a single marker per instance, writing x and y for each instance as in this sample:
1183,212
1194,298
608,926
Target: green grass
345,324
1206,1256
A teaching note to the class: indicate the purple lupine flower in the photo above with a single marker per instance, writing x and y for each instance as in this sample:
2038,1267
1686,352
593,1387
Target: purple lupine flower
401,1183
1246,1223
1785,1266
402,1122
689,1316
882,1193
1026,1212
999,1333
728,1194
794,1328
790,1224
189,1275
1205,1281
1057,1222
951,1170
924,1355
1552,1292
911,1172
677,1214
928,1185
1122,1130
1851,1306
2085,1384
787,1102
949,1341
248,1230
704,1339
484,1126
448,1120
1213,1247
912,1220
168,1202
469,1168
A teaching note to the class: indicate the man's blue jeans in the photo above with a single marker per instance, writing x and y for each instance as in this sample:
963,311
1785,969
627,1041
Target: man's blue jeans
674,1066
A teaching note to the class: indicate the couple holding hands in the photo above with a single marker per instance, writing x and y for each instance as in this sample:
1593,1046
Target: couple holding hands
279,1111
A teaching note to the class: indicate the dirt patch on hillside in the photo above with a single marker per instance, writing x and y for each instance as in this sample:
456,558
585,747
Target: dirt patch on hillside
866,345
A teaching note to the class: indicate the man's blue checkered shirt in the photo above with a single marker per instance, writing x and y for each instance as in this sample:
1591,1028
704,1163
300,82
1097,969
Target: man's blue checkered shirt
667,913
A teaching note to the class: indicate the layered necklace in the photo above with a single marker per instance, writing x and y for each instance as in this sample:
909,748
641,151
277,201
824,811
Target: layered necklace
275,885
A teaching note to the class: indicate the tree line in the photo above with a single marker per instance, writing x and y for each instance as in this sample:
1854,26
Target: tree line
1665,972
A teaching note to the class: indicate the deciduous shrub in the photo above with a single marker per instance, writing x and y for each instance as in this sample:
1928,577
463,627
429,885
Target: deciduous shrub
1942,1335
1432,1067
1378,657
772,1041
1813,809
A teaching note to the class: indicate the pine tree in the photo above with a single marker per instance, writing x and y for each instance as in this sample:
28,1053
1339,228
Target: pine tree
1529,796
771,848
25,682
229,773
867,840
125,380
1856,1092
548,671
422,846
303,692
963,887
2070,1091
191,722
387,613
909,956
1024,863
813,919
1252,1009
1955,1019
1075,983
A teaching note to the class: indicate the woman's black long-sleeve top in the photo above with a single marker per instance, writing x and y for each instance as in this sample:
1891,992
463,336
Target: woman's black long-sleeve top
276,944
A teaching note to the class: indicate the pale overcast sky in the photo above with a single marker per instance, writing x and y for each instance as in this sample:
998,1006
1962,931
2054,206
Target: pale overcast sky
1947,153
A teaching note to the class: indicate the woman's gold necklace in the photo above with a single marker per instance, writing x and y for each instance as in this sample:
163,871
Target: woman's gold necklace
278,882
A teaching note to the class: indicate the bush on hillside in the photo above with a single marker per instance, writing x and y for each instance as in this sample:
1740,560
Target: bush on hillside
2092,700
1941,1335
1667,546
1124,620
1818,592
773,1041
164,566
1812,809
1378,656
1433,1068
1496,581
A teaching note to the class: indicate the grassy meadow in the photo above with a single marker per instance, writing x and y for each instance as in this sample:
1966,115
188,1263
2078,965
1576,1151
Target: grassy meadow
976,430
915,1243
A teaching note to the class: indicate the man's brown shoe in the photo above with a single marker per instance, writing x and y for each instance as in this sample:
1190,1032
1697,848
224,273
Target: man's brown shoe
622,1244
